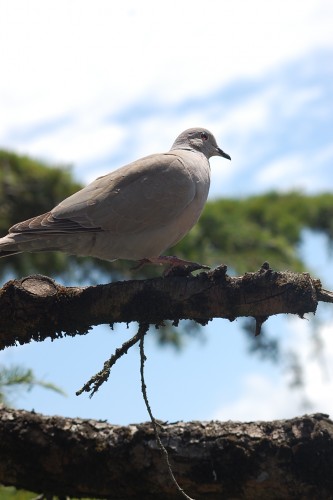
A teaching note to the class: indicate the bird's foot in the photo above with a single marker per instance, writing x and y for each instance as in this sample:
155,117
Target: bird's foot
176,266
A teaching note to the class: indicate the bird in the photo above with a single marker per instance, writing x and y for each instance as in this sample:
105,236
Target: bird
135,212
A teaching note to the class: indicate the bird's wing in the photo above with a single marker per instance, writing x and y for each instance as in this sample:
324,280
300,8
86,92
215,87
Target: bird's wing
147,193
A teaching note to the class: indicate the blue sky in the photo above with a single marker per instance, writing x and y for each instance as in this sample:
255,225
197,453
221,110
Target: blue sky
99,84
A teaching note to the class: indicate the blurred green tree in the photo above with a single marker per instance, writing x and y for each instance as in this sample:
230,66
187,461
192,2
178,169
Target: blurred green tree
243,233
14,378
27,188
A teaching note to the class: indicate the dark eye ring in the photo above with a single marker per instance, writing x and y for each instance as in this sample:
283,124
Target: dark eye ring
204,136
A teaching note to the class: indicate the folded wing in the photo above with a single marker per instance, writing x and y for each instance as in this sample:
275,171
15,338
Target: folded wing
147,193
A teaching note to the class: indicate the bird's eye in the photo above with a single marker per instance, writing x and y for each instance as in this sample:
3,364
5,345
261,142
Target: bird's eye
204,136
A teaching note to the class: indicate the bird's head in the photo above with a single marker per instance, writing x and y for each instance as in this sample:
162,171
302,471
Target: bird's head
199,139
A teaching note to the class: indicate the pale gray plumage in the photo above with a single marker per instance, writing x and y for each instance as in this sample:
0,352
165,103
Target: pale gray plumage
135,212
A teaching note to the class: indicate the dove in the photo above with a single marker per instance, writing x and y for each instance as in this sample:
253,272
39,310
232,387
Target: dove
135,212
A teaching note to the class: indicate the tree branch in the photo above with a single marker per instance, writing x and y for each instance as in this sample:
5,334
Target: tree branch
263,460
37,307
97,380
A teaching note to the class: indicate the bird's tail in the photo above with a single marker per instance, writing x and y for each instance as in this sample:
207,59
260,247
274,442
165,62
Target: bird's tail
14,243
17,243
8,246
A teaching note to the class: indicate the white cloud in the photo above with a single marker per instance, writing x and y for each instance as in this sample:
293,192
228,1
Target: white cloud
79,143
62,55
89,61
261,399
300,171
297,99
281,172
270,398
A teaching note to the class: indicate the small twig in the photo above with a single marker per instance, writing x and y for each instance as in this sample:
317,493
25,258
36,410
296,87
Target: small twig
325,295
154,422
259,322
99,378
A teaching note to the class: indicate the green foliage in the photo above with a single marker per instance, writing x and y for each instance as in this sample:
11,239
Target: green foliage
16,377
11,493
243,233
28,188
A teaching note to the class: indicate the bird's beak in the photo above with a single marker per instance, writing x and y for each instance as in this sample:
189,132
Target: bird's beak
222,153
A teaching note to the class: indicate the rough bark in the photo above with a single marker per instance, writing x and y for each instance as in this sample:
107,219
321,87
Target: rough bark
37,307
259,460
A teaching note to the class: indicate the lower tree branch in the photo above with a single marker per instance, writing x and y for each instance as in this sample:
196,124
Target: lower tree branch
261,460
37,307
